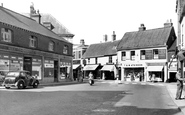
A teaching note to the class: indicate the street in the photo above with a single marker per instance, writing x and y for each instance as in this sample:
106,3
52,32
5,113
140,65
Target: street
103,98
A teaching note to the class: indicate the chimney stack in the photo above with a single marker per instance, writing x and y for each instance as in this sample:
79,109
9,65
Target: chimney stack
113,36
105,38
35,15
168,24
82,42
142,27
1,4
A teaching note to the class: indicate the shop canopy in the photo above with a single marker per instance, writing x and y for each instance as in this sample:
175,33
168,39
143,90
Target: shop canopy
108,68
76,66
154,68
90,67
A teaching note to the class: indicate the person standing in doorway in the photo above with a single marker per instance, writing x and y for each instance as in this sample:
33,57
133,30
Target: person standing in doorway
179,84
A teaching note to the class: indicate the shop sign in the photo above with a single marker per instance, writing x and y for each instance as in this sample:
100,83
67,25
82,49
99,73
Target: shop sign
49,65
132,65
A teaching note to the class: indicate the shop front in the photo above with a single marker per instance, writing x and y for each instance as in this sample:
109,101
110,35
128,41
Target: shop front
109,72
133,71
155,72
95,69
65,70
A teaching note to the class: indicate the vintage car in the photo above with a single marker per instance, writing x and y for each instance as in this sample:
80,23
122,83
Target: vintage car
20,80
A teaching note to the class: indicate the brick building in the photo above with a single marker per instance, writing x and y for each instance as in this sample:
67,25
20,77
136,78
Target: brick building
26,44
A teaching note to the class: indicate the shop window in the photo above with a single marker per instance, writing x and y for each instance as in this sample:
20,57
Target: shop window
65,49
6,35
51,46
132,55
123,56
155,53
142,54
33,41
110,59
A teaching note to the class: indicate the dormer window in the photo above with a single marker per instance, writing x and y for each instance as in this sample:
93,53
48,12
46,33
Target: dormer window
51,46
6,35
33,42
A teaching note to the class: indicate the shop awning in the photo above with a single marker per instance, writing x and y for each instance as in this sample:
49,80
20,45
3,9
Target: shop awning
154,68
90,67
108,68
76,66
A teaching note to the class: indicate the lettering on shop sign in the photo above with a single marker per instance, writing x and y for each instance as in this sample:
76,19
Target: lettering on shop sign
132,65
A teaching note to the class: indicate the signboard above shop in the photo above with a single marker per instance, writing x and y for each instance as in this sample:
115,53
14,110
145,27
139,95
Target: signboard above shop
133,65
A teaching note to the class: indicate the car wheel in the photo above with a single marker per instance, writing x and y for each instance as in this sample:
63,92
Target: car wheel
7,87
20,85
35,84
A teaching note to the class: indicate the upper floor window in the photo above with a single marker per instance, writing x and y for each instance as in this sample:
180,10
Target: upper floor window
132,55
88,60
65,49
33,41
142,54
155,53
6,35
51,46
110,59
96,60
123,56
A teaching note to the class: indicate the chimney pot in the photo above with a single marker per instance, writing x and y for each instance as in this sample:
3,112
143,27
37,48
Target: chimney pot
113,36
142,27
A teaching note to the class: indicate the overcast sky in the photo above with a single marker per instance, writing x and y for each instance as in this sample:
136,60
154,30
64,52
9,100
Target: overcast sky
91,19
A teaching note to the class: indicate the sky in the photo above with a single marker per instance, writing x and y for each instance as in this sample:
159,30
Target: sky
92,19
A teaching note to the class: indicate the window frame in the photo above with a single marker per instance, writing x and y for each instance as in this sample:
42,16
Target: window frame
32,41
65,49
51,46
155,54
110,59
5,33
123,58
143,54
132,56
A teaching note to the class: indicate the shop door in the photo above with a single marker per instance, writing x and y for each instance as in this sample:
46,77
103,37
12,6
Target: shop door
55,71
27,64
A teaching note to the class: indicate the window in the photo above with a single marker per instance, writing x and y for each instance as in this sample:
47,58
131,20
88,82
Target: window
96,60
123,56
132,55
142,54
6,35
79,54
33,41
51,46
156,53
73,55
88,60
65,50
110,59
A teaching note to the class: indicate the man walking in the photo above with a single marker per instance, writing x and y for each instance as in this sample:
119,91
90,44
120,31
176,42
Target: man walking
179,84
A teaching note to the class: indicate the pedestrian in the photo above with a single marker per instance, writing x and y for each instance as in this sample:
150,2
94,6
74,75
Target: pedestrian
179,84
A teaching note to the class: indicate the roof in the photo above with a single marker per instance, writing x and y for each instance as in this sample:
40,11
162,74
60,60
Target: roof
101,49
58,27
145,39
26,23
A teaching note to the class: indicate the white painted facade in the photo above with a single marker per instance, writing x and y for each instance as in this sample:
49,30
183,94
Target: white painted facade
140,63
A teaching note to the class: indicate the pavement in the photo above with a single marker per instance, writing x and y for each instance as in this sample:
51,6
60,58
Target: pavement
171,87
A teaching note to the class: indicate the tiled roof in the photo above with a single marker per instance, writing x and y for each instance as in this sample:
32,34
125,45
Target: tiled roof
145,39
23,22
101,49
58,27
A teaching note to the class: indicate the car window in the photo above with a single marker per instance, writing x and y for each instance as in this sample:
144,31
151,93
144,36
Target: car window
12,74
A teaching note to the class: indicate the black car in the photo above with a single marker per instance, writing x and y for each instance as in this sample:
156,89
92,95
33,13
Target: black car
20,79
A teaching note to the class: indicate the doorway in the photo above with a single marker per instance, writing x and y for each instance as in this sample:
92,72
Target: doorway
56,67
27,64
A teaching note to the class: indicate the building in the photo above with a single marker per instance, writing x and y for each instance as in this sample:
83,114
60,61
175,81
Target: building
144,53
78,62
180,10
101,59
25,44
